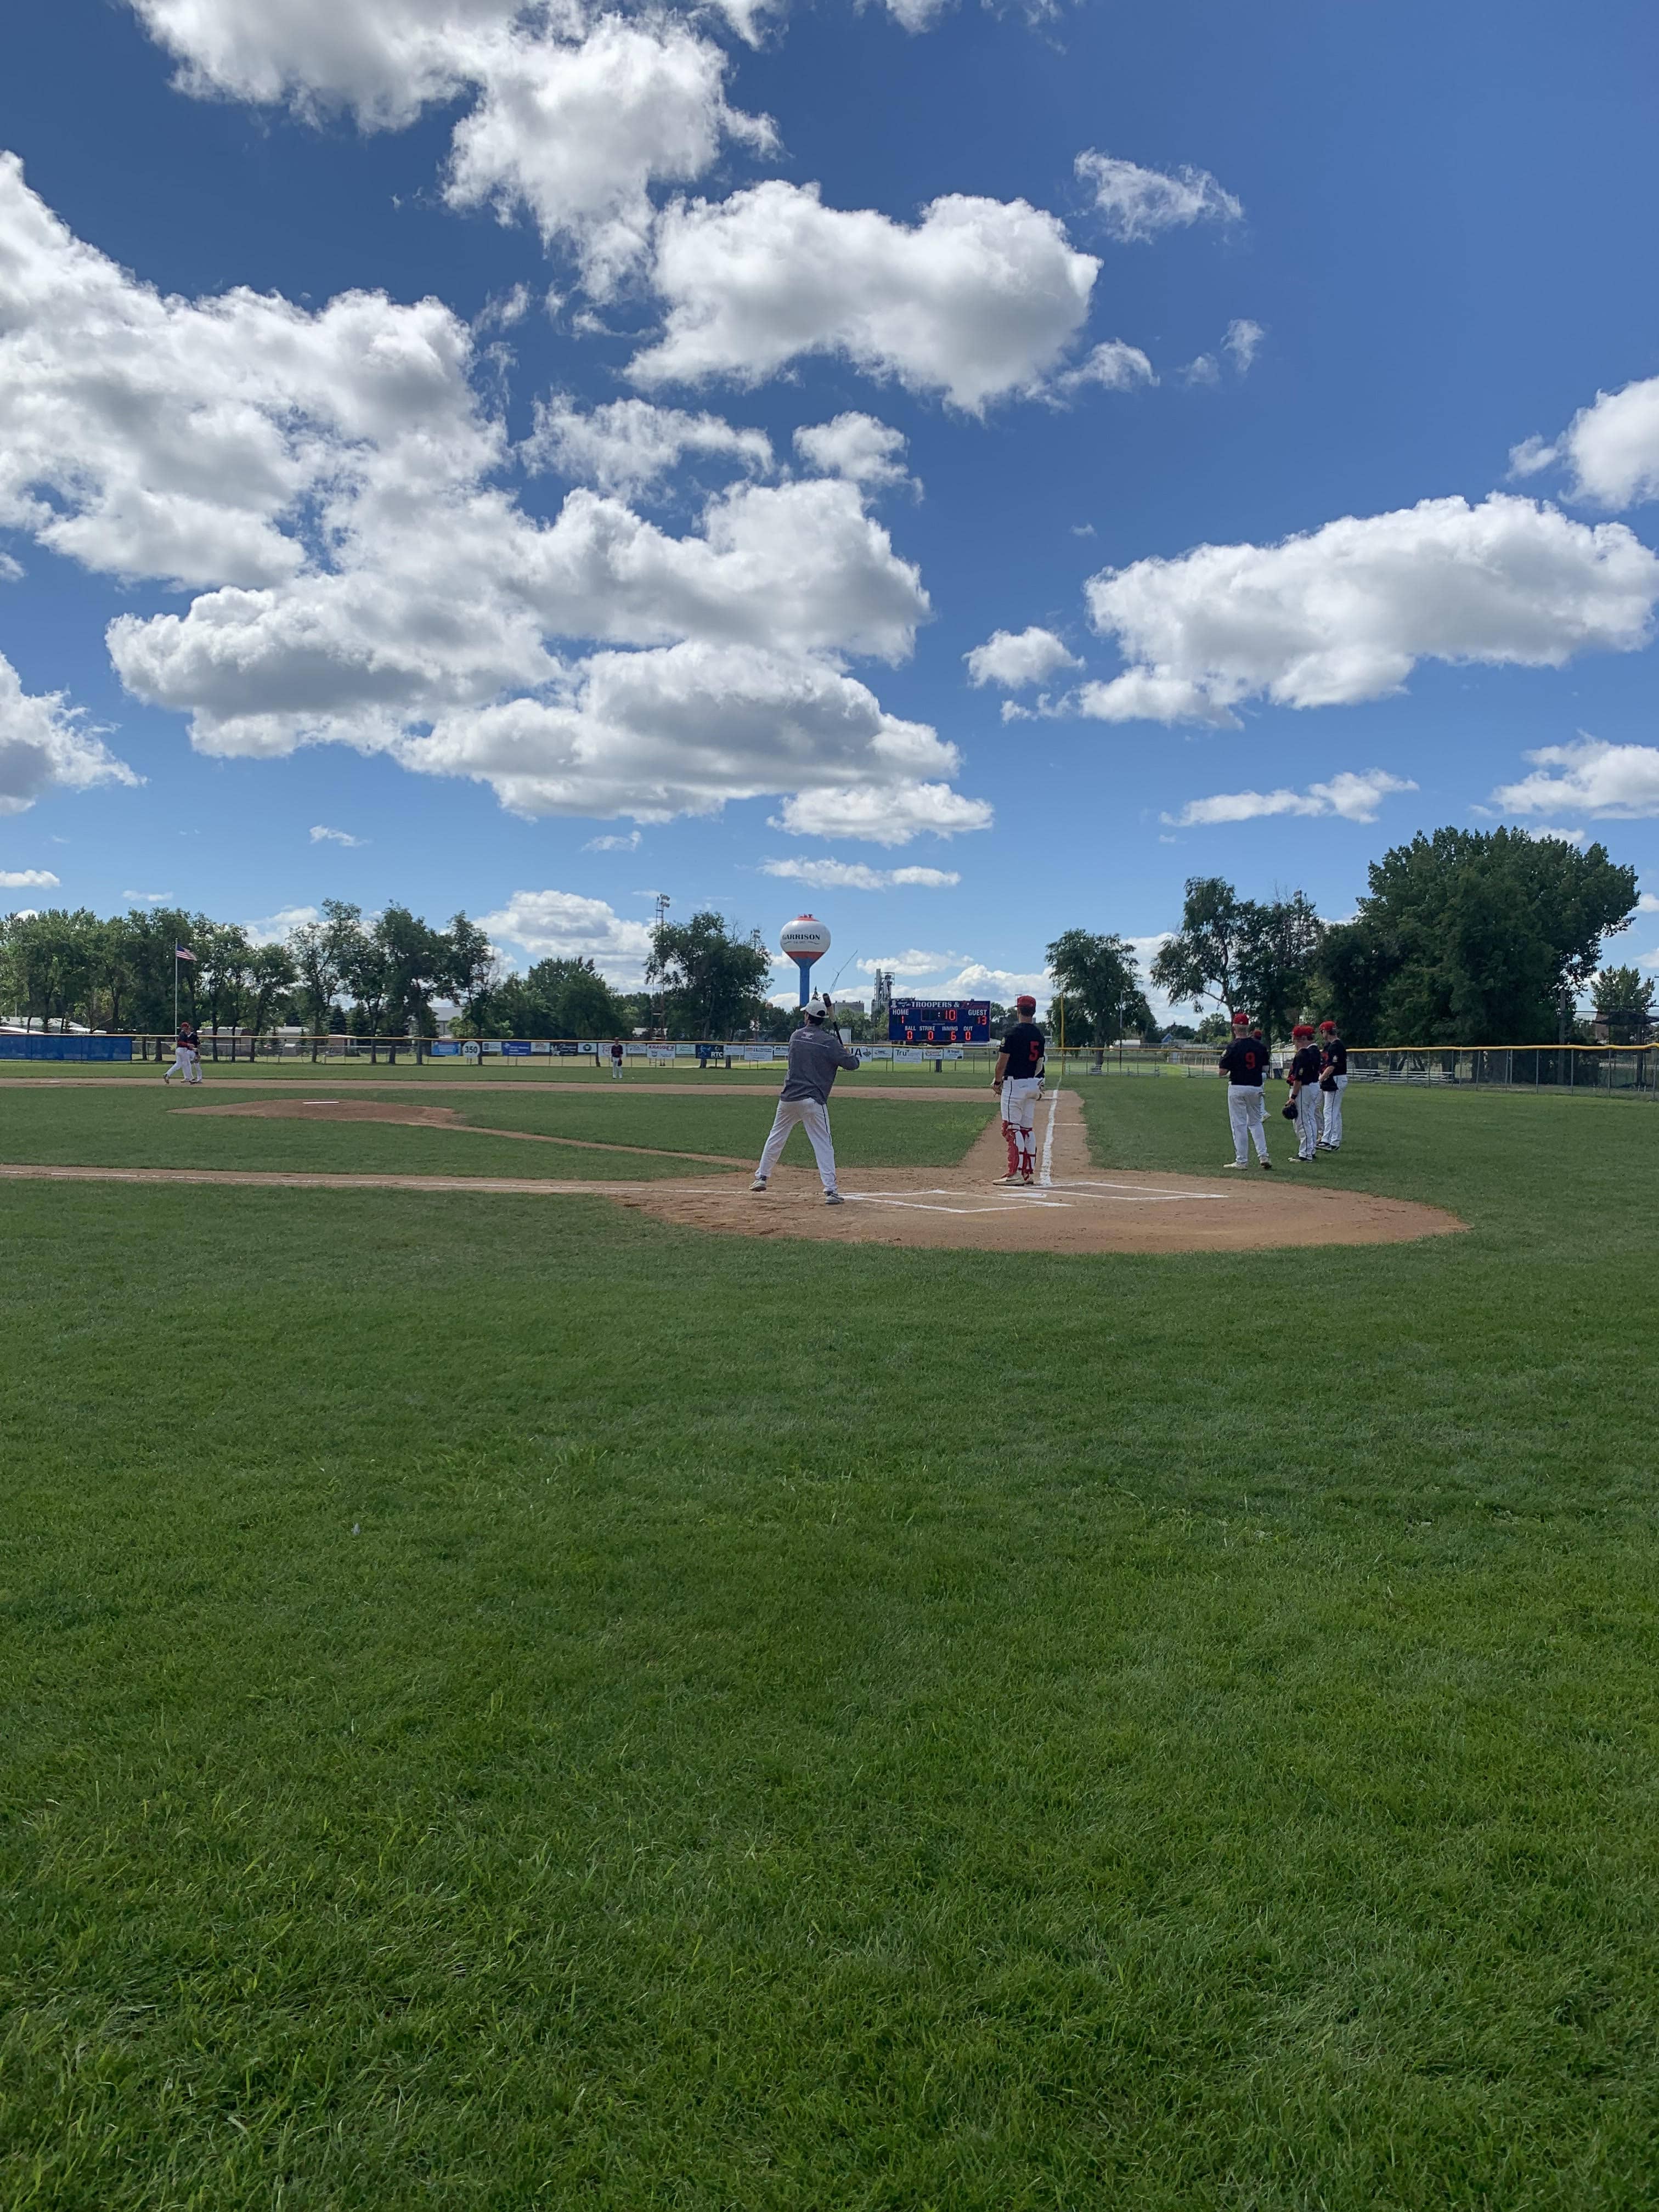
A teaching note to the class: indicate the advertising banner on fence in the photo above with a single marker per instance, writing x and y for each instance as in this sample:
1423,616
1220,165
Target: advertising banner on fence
13,1047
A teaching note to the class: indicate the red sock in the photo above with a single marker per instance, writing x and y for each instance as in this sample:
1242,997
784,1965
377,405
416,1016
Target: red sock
1013,1135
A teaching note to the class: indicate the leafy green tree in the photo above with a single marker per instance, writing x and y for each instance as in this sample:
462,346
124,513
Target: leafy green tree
472,968
1278,956
714,982
1258,956
1474,937
1624,999
270,977
319,950
1201,960
414,961
223,959
1097,977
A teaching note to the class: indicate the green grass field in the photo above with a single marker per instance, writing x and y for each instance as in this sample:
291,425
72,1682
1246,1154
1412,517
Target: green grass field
156,1127
530,1708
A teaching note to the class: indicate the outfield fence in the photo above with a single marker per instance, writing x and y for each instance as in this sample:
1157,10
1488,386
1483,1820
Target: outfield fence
1588,1071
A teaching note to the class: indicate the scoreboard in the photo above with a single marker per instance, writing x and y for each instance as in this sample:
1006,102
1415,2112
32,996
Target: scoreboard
938,1021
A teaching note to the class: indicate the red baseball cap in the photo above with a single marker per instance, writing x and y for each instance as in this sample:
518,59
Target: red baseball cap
1025,1004
1241,1021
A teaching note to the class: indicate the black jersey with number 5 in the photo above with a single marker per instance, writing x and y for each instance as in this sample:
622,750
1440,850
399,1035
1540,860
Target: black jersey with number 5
1024,1045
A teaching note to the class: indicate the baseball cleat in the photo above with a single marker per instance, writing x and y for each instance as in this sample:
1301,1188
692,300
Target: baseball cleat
759,1183
1234,1163
1010,1177
833,1198
1267,1163
1028,1180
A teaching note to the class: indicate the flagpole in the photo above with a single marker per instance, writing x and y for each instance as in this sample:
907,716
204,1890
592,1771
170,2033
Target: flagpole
175,990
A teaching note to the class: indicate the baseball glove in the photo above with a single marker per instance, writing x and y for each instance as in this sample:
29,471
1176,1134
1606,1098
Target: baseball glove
1288,1109
1327,1082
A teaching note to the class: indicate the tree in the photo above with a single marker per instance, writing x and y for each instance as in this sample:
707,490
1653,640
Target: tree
1099,979
1278,952
1257,955
715,982
414,959
223,959
319,950
1474,937
1200,960
1624,999
472,966
271,974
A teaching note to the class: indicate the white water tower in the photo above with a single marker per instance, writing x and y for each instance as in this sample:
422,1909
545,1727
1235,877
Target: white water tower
804,940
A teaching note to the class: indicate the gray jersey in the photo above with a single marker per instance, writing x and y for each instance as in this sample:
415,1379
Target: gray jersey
815,1052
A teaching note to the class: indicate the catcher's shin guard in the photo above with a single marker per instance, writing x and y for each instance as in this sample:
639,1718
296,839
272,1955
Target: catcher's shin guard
1011,1136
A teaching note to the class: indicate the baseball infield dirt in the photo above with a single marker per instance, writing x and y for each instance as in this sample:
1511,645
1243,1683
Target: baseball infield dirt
1081,1208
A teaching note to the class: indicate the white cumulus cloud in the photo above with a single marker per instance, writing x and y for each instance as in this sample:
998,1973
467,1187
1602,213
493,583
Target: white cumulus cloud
1612,448
44,746
630,844
575,113
273,928
1014,658
979,300
626,446
28,880
857,447
335,480
856,876
1612,782
892,817
1353,797
562,925
1137,204
1345,613
322,834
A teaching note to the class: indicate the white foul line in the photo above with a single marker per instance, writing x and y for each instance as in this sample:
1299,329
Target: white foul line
1046,1175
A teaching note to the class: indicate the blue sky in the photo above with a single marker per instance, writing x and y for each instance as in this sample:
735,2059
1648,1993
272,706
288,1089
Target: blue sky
533,592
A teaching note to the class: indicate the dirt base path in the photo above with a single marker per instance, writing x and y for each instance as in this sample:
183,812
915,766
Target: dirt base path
1076,1208
408,1115
507,1086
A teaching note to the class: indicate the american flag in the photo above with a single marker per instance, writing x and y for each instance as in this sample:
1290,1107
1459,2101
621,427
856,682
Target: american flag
183,952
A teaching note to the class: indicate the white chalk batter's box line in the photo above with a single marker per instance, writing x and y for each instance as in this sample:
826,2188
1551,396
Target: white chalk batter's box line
920,1202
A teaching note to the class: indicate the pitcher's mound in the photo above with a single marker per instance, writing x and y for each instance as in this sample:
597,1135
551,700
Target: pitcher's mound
337,1109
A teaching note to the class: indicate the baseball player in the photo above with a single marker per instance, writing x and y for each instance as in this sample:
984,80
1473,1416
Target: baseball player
1018,1079
1244,1064
1303,1076
616,1060
1333,1082
815,1054
183,1059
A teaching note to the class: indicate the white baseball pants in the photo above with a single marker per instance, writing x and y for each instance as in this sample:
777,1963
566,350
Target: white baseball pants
1307,1120
1247,1110
1331,1131
812,1116
1019,1103
184,1063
